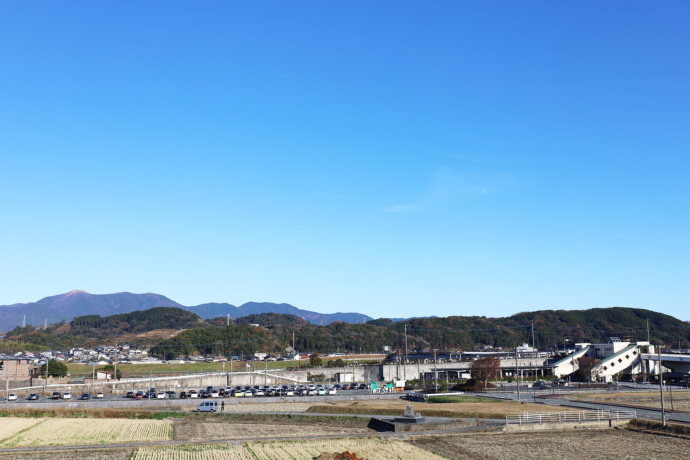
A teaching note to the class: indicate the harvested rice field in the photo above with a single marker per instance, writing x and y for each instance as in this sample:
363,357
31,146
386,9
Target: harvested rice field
367,448
680,399
60,432
563,445
209,431
488,409
10,426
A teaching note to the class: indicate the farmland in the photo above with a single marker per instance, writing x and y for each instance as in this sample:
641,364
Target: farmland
485,409
680,399
56,432
11,426
367,448
563,445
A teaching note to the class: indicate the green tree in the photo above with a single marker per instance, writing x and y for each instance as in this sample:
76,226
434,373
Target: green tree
315,360
55,369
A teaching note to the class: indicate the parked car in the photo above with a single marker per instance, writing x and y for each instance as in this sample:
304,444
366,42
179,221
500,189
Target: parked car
56,395
193,394
85,396
12,397
33,397
130,394
67,395
171,394
321,391
100,395
161,395
183,395
139,395
213,393
331,391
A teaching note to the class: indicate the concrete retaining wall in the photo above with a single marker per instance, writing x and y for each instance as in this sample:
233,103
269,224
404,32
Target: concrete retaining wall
594,424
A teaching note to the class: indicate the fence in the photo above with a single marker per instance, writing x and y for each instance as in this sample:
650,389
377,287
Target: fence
570,416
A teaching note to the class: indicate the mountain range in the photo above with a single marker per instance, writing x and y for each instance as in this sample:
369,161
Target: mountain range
79,303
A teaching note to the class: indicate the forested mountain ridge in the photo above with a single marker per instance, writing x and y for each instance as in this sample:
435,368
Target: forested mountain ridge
134,328
552,328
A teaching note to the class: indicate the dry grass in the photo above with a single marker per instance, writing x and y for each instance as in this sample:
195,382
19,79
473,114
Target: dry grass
492,409
563,445
59,432
652,399
367,448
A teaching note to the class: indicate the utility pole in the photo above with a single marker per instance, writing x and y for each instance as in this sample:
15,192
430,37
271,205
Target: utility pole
534,344
647,330
517,374
93,377
117,352
47,362
661,388
435,372
405,364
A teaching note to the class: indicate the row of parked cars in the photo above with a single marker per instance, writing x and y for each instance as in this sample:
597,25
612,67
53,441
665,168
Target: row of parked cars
210,392
55,395
247,391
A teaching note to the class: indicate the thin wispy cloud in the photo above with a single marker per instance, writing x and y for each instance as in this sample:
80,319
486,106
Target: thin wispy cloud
449,187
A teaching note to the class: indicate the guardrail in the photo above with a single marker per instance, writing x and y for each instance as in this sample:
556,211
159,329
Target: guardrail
570,416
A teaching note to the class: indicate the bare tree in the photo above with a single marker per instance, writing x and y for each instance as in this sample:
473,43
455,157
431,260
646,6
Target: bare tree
485,369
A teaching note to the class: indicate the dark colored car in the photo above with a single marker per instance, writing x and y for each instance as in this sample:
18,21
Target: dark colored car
362,386
33,397
139,395
56,395
130,394
85,396
171,395
183,395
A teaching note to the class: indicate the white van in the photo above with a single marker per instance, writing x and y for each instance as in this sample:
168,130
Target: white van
208,406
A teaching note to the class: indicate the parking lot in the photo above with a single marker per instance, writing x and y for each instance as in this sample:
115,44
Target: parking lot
164,394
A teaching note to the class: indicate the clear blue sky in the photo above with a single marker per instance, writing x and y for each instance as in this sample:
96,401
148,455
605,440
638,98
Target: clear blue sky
392,158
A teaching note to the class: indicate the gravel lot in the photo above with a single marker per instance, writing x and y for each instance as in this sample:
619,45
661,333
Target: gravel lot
592,445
